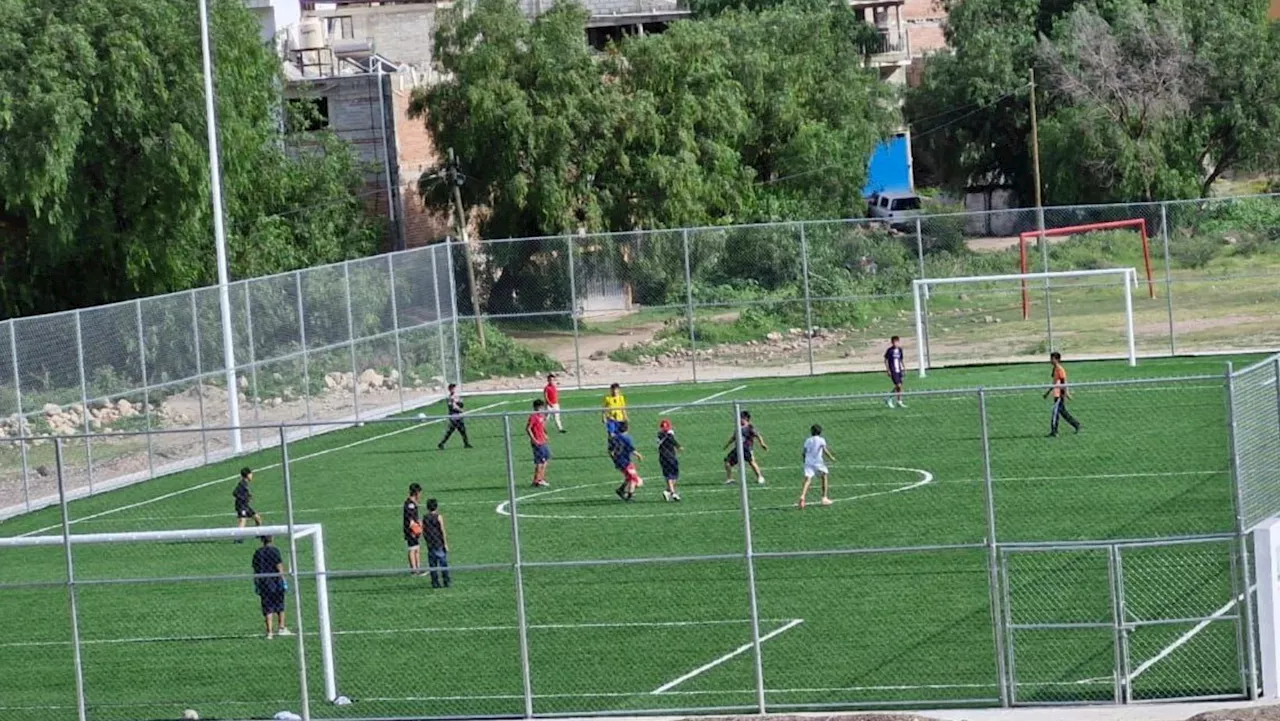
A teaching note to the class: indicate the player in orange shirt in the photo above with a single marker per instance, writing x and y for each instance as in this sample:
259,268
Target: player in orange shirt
1060,395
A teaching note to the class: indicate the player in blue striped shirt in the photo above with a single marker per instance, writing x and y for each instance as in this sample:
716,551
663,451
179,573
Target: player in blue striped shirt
894,365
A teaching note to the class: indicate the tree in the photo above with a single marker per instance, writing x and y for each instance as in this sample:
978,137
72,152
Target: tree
103,167
741,117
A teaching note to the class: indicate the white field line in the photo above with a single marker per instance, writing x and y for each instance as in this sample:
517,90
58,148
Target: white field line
317,454
397,631
732,654
710,490
1184,638
711,397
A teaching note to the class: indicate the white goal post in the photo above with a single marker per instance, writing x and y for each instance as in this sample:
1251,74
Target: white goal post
920,290
298,532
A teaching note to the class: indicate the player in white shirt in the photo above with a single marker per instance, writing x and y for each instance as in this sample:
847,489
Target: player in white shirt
816,455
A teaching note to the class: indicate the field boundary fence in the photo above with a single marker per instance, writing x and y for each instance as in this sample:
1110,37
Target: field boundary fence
1114,620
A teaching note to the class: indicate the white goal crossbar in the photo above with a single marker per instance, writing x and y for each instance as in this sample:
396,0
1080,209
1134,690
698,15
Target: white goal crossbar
920,288
297,532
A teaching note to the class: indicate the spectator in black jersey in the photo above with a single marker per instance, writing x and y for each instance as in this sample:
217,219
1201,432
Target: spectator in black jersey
437,545
244,511
456,423
413,528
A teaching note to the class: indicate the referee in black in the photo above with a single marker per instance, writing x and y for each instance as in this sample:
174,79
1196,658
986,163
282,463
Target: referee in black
456,423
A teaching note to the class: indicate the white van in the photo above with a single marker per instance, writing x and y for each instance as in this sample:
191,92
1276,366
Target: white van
894,208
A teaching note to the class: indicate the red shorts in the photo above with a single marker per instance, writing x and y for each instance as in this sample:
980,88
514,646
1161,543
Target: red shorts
629,474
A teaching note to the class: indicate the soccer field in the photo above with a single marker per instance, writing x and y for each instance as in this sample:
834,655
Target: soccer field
884,598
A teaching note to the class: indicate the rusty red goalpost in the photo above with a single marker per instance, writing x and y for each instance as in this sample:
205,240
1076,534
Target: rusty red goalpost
1139,223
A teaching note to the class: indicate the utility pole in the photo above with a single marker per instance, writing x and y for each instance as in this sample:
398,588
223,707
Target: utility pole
456,179
1039,197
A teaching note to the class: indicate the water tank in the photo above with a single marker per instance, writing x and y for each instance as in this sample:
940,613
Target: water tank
310,34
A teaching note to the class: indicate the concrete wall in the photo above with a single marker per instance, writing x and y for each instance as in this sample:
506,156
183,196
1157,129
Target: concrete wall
275,17
416,154
400,33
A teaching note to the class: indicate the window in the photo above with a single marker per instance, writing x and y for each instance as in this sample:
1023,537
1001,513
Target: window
906,204
309,114
340,27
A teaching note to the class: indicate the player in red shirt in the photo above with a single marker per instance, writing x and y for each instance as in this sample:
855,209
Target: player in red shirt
536,429
551,394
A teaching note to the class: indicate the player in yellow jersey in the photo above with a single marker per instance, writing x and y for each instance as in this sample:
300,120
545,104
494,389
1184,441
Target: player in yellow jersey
615,410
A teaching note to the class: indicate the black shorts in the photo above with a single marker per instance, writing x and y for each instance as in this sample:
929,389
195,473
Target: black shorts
896,378
732,458
670,470
411,540
272,601
245,512
456,423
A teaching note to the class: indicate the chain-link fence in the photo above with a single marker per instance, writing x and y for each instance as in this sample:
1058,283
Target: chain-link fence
808,297
355,340
949,554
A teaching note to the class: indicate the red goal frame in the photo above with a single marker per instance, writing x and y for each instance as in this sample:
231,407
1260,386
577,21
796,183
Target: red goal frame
1139,223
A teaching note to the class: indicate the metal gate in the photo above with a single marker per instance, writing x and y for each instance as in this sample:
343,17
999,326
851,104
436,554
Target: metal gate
1123,622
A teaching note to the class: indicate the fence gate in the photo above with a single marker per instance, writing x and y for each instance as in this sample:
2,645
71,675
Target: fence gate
1123,622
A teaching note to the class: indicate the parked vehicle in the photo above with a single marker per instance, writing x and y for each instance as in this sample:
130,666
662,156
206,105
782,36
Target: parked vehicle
896,209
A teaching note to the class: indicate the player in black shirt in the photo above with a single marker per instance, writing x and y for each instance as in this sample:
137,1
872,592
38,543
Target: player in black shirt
456,423
749,438
668,447
437,544
412,527
243,497
269,584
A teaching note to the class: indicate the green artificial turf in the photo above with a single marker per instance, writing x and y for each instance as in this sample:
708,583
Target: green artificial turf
911,626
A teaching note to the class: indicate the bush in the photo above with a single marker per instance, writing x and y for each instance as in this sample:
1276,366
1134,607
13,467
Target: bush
1193,251
500,357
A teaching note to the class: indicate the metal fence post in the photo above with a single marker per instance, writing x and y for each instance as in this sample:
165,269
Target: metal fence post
1168,279
920,247
522,620
444,349
84,403
146,391
302,337
688,305
395,326
293,576
1120,680
749,555
1242,536
23,426
453,305
573,313
808,300
76,656
993,574
195,334
351,338
1277,386
253,362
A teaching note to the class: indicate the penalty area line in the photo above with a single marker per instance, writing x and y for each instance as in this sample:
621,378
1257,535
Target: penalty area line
732,654
711,397
206,484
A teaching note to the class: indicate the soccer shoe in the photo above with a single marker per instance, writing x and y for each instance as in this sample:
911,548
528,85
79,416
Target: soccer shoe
760,480
800,504
468,446
888,402
639,482
540,484
901,404
439,446
620,493
675,497
826,501
284,632
666,496
270,635
730,481
1077,429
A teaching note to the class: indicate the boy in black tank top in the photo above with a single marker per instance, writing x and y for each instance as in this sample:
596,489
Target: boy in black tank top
437,544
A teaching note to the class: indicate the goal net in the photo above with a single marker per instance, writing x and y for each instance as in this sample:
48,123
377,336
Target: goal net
981,319
144,624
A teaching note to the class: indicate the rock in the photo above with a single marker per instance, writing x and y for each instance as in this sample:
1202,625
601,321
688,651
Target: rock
774,336
794,332
43,471
332,381
126,409
77,409
988,319
598,356
243,382
51,409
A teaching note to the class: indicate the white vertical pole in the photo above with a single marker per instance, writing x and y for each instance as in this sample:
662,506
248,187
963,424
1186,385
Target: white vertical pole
351,338
146,392
749,556
808,296
323,619
195,334
219,232
77,659
993,574
517,564
915,299
302,336
395,326
84,401
1130,275
22,419
1168,279
1266,565
253,361
453,305
293,576
444,350
688,305
573,313
1242,537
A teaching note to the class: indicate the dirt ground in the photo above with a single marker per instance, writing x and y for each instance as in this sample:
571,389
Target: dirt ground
1165,711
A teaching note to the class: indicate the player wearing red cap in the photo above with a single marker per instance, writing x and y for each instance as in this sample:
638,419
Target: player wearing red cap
668,447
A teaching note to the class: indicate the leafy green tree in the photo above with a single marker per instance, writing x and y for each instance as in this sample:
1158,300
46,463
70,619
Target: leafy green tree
103,165
740,117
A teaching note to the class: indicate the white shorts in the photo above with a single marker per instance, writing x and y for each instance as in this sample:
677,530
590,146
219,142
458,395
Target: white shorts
812,470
